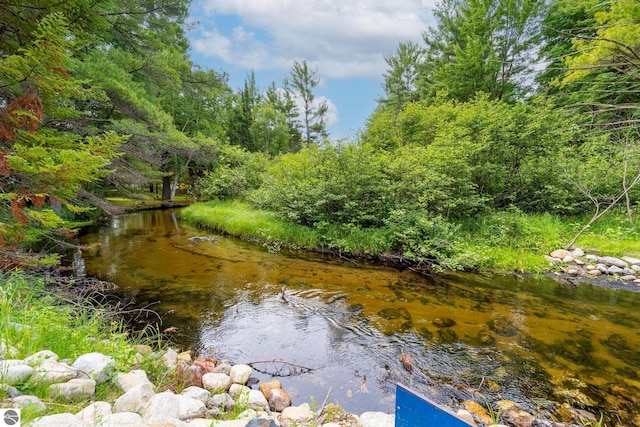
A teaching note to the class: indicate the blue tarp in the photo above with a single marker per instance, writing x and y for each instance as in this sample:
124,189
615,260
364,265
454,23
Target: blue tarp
414,410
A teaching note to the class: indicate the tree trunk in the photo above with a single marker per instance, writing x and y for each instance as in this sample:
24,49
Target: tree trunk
166,187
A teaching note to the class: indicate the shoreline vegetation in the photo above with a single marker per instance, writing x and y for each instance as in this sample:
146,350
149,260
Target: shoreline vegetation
499,242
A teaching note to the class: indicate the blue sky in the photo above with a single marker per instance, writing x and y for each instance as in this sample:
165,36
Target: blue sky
345,40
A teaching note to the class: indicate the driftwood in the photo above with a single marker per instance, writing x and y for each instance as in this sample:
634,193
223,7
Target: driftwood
279,368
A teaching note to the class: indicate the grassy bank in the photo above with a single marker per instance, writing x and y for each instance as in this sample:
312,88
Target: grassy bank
35,317
499,241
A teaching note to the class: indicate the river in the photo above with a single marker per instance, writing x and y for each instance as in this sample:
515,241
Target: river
343,326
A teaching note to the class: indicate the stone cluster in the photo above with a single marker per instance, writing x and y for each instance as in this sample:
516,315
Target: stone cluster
216,389
579,263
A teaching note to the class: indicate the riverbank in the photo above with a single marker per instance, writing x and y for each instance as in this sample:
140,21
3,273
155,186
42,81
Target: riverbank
505,242
100,375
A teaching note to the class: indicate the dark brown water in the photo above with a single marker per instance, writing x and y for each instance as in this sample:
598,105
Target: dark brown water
530,340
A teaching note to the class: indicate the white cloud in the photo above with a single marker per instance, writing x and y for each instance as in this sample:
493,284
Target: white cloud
342,38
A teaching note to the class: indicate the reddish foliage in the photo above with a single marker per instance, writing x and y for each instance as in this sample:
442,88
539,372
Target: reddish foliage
38,200
5,170
24,112
17,209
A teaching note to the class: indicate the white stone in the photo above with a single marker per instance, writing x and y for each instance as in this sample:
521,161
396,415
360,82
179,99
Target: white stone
95,413
635,267
240,374
577,252
96,366
201,422
18,374
53,372
611,261
257,400
28,401
578,261
376,419
167,406
568,259
216,383
7,349
170,358
236,390
58,420
124,419
76,388
129,380
297,413
631,260
466,415
248,414
224,401
614,269
602,268
41,356
135,399
595,273
590,267
196,393
629,278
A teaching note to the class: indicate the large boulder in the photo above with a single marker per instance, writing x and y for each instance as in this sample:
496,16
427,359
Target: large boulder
95,413
74,389
53,372
129,380
96,366
216,383
135,399
240,374
376,419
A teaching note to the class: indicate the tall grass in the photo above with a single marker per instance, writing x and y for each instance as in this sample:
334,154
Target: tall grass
507,240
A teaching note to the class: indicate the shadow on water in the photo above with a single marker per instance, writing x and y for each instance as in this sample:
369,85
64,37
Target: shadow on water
530,340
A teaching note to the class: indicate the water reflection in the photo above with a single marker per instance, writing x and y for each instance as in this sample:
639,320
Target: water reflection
529,340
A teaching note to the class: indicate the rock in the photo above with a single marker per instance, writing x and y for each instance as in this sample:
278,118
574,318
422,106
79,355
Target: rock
222,368
240,374
95,413
223,401
168,406
297,413
96,366
560,254
629,271
478,411
247,414
74,389
143,349
278,400
10,390
7,349
58,420
237,390
266,387
568,259
53,372
591,257
552,261
376,419
443,323
257,401
635,268
628,278
614,269
29,402
196,393
631,260
135,399
216,383
590,267
594,273
573,271
611,261
602,268
129,380
206,364
185,355
577,252
578,261
41,356
513,414
170,358
466,415
262,422
503,326
123,419
17,374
